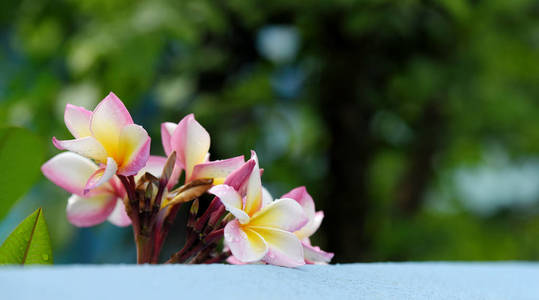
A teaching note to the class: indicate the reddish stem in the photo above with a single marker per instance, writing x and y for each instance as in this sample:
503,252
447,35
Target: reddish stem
141,230
203,255
214,205
189,250
219,258
161,233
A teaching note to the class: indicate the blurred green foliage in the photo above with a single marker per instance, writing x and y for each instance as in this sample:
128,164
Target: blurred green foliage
21,155
412,123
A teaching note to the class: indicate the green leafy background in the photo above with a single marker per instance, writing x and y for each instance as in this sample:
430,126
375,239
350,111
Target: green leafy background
412,123
21,155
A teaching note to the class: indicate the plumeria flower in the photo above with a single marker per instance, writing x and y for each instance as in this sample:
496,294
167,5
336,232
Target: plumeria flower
109,137
192,142
71,172
313,254
261,233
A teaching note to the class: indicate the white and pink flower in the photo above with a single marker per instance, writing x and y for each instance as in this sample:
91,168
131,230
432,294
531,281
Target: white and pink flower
109,137
260,233
104,167
313,254
71,171
192,143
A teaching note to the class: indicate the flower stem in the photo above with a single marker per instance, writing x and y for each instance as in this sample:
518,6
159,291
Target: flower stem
161,232
142,229
219,258
195,244
144,249
201,223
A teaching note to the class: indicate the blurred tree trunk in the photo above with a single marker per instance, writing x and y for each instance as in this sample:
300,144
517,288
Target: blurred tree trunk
348,116
348,202
411,188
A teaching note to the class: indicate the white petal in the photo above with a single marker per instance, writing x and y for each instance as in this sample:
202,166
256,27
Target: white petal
85,212
191,142
77,120
87,146
301,195
245,244
285,249
311,227
231,200
118,216
70,171
108,119
134,149
166,134
253,199
101,176
285,214
315,255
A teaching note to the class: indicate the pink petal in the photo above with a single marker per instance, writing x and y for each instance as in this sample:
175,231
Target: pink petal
101,176
234,261
108,119
191,142
311,227
77,120
218,168
87,146
154,166
315,255
70,171
85,212
253,199
285,214
284,248
118,216
231,200
134,149
238,178
301,195
245,244
175,177
114,186
167,129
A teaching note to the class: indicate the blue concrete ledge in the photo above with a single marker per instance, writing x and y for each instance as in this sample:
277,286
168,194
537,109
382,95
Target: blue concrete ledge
400,281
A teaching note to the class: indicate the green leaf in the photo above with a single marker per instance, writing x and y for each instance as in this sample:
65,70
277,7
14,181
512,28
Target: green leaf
29,243
21,154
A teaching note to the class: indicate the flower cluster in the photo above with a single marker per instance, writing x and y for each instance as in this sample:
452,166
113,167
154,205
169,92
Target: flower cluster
112,176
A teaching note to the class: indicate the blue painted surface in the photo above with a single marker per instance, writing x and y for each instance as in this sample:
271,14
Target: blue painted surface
353,281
